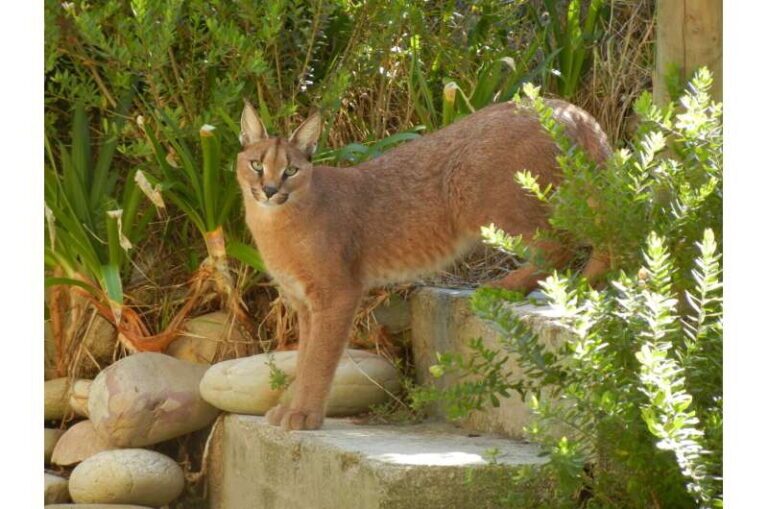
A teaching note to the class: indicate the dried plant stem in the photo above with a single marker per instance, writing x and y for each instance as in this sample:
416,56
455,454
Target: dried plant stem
59,302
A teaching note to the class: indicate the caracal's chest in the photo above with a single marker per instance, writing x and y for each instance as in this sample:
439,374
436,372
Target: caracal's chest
288,247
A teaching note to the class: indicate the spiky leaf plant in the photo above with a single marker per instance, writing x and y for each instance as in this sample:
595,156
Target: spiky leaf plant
92,224
201,182
567,36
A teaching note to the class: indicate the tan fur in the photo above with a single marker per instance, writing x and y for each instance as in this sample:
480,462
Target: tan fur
329,234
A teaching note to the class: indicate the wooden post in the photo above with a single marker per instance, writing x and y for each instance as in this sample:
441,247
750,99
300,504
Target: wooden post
689,35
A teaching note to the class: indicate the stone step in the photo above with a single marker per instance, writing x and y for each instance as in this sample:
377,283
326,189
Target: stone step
344,465
442,321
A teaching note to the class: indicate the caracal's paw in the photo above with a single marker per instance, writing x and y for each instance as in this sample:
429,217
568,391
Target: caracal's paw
275,414
294,420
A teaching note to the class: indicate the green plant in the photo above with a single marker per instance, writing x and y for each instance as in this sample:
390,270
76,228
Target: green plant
681,366
497,81
621,392
356,153
568,40
482,380
204,187
90,231
278,379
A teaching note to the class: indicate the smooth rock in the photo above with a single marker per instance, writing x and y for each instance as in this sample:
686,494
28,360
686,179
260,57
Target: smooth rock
362,380
49,352
243,385
78,397
99,341
96,506
147,398
52,436
127,476
80,442
55,489
394,315
56,398
203,336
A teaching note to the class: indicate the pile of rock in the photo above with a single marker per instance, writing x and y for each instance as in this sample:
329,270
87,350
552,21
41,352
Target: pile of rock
148,398
139,401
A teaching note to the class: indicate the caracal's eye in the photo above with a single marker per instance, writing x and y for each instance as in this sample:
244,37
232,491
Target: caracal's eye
290,171
257,167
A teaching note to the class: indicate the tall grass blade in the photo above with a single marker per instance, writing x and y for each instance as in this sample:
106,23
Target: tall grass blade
449,103
211,169
103,181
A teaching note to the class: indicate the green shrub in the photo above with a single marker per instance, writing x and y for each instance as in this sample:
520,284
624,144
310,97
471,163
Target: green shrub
629,406
384,59
203,185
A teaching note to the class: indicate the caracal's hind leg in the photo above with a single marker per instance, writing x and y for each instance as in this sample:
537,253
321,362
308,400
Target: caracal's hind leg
598,264
526,278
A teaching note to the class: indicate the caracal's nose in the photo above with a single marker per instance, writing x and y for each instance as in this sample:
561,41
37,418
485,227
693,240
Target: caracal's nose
270,191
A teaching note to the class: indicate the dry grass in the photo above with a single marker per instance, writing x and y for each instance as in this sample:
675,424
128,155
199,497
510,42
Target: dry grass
621,69
481,265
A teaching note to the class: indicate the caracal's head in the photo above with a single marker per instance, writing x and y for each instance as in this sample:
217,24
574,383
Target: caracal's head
275,170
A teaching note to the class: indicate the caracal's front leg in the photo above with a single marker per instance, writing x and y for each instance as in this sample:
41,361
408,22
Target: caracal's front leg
331,315
275,414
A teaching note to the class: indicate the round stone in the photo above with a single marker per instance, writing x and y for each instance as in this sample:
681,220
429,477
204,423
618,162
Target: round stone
78,397
96,506
94,349
127,476
80,442
98,341
148,398
394,315
204,336
55,489
362,380
56,398
52,436
244,385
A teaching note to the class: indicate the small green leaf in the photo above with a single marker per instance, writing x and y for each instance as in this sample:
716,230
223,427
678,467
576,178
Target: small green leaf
246,254
110,276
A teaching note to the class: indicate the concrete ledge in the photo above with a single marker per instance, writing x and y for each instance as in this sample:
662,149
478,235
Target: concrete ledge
442,321
351,466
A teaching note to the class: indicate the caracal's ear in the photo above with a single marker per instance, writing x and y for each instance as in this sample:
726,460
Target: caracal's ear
251,127
306,135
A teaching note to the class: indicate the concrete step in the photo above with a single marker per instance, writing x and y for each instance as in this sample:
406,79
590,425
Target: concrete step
442,321
348,466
